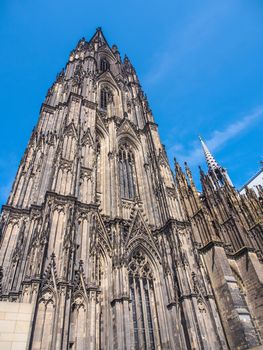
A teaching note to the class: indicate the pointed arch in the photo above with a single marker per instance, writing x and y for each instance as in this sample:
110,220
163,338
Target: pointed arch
105,52
142,243
100,241
45,319
101,130
128,138
104,64
109,94
79,300
87,138
70,129
140,235
108,79
78,326
47,295
127,133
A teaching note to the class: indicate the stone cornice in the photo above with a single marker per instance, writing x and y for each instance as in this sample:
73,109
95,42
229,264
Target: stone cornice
12,209
241,252
47,108
194,295
71,199
90,104
150,125
170,222
74,94
210,245
120,299
236,255
116,220
50,194
259,223
196,213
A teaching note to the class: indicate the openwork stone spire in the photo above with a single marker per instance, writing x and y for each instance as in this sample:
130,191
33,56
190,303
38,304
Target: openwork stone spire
210,160
217,172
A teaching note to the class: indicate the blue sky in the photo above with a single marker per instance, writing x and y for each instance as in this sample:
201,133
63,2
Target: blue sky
199,62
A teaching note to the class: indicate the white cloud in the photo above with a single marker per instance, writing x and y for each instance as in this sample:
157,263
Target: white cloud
195,156
221,137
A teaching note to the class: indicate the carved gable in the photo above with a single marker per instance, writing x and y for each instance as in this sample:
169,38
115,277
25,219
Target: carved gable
70,130
127,128
87,138
140,234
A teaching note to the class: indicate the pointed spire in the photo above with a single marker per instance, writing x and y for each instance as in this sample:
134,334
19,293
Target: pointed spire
216,172
179,175
116,53
191,183
211,162
189,176
177,166
202,174
98,38
207,183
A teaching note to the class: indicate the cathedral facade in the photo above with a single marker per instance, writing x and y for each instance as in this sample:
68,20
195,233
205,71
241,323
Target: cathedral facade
111,249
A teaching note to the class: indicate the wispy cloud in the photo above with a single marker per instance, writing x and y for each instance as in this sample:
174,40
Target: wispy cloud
218,139
195,32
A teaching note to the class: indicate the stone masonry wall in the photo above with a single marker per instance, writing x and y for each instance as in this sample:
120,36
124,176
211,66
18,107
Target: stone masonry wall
15,325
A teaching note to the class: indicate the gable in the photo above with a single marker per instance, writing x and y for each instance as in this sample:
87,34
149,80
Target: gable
140,235
127,129
107,77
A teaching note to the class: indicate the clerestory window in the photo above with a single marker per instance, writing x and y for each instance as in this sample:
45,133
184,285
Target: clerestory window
126,172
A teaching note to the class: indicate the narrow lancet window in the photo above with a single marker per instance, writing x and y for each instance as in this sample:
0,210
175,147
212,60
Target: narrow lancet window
104,65
106,97
126,172
103,99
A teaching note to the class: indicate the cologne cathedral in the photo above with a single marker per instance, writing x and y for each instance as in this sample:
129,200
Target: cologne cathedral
111,248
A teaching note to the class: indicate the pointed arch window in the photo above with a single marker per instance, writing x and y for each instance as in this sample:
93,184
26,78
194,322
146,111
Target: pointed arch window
127,172
145,329
106,97
104,65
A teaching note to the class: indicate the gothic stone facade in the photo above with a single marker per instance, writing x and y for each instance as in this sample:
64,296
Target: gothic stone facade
112,250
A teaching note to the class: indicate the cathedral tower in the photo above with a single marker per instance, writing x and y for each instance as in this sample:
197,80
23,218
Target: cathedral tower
110,249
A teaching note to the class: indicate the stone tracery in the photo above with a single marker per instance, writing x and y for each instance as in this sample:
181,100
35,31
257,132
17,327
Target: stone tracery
142,297
126,171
